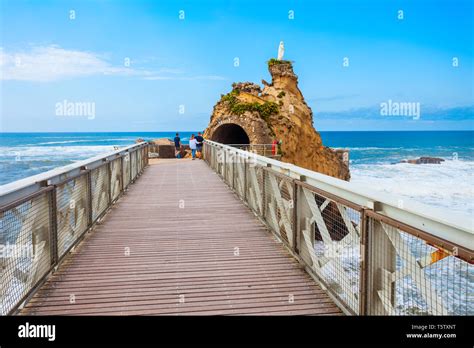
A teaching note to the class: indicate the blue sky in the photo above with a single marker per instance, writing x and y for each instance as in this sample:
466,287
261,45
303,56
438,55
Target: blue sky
46,57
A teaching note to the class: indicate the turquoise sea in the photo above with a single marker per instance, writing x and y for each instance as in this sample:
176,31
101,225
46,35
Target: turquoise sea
374,158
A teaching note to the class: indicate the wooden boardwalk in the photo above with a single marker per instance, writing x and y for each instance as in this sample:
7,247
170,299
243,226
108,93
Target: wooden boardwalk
179,242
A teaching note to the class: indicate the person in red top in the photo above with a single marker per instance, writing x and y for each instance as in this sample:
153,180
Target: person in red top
274,147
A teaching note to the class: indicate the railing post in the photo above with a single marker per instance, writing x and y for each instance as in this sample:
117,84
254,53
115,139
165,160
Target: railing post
142,159
147,151
381,257
245,178
215,162
53,216
300,214
136,165
109,174
264,195
123,173
142,150
216,159
224,168
233,171
89,197
211,155
295,217
131,171
363,278
145,160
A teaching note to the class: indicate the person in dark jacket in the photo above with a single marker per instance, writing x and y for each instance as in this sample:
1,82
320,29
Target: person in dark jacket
199,145
177,142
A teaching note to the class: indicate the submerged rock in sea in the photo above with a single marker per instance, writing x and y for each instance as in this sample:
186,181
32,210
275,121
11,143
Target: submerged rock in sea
424,160
252,115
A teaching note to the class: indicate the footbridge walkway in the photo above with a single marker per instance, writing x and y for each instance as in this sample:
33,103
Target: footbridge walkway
236,233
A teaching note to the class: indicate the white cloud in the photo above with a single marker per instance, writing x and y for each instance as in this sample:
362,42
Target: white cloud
51,63
54,63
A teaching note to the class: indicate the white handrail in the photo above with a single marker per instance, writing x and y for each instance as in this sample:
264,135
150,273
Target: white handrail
28,185
451,226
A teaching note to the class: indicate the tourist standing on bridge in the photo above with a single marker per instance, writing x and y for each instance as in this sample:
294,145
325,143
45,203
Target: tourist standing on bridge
177,145
177,142
200,143
193,146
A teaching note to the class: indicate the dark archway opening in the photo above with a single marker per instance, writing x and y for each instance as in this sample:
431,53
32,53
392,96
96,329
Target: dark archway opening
230,133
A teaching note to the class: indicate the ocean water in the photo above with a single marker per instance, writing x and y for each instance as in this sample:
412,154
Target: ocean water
374,159
26,154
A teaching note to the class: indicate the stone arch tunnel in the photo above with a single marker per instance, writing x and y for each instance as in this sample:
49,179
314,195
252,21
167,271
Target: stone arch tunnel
230,133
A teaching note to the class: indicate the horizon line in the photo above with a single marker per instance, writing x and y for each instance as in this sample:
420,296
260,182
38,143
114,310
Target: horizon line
191,131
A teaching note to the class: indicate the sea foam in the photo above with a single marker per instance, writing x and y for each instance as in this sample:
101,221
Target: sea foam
449,184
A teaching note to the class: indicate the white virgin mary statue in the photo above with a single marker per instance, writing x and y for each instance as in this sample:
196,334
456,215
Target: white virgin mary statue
281,51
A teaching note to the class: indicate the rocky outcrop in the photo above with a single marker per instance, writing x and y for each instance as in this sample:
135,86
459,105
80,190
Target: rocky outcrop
278,111
248,87
424,160
162,141
164,148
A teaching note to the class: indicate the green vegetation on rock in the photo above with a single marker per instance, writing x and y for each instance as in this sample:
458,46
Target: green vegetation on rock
238,107
275,61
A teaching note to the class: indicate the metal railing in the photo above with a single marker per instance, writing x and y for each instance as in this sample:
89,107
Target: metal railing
267,150
373,253
44,216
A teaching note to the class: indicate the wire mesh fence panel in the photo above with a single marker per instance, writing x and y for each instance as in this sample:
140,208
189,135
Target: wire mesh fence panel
116,177
211,156
26,240
410,276
330,244
207,154
137,164
255,188
99,191
220,158
239,177
126,169
139,161
144,157
72,212
133,165
228,167
279,205
216,160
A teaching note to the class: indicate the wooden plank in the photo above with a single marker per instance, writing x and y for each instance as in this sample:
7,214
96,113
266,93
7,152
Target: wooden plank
179,242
